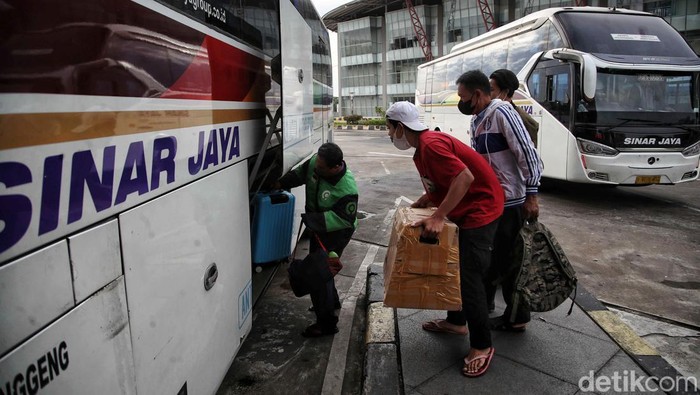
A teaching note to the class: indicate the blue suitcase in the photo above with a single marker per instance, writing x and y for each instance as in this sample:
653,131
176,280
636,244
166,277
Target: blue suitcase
272,226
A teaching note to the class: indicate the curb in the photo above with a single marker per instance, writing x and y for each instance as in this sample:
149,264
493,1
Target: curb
383,349
382,371
646,356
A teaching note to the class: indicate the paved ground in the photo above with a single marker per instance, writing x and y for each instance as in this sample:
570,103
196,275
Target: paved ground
276,359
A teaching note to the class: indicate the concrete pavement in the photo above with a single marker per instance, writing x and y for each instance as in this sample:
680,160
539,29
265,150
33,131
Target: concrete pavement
589,351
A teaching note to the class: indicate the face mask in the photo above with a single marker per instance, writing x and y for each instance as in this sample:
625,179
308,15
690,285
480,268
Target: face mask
401,143
465,107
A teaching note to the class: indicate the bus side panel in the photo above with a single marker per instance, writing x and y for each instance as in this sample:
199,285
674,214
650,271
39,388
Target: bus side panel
297,88
183,333
34,290
87,351
553,146
575,171
95,258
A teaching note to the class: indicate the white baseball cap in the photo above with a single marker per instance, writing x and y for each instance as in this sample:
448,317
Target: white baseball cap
406,113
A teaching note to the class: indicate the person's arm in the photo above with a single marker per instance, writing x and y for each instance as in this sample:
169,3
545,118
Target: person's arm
432,226
526,156
293,178
422,202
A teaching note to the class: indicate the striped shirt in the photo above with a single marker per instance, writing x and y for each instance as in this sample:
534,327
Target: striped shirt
499,135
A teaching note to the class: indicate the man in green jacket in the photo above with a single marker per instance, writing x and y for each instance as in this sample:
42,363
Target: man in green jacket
331,215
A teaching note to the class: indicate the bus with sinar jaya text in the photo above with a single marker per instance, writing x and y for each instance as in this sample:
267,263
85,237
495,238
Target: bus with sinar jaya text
616,93
133,137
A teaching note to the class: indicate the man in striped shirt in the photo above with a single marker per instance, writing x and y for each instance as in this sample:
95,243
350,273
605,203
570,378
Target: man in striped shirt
499,135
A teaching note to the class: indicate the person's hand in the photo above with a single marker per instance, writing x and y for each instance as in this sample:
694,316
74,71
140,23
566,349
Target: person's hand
270,185
422,202
432,226
531,209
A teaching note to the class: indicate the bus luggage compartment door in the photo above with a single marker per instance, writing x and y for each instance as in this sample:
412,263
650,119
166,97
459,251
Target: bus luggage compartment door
182,332
86,351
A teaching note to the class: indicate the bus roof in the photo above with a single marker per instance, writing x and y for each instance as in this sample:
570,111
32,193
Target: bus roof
528,22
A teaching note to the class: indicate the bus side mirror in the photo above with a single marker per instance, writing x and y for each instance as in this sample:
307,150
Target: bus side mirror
589,73
589,76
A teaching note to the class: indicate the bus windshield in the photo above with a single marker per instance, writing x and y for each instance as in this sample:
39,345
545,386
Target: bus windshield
644,91
634,102
625,35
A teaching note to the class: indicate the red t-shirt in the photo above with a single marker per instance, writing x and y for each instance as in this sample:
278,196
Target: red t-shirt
439,159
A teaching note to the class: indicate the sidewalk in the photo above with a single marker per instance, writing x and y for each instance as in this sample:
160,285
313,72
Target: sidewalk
558,354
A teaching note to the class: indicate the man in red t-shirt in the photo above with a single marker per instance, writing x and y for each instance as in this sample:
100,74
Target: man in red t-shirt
466,191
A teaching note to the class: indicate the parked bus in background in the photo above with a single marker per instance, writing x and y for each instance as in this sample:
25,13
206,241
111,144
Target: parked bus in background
132,137
616,93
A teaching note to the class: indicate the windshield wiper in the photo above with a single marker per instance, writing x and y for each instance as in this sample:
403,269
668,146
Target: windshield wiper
651,121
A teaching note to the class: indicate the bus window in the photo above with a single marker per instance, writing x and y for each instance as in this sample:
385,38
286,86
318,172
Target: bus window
554,39
496,58
550,86
634,35
643,92
472,60
523,45
535,85
454,70
439,82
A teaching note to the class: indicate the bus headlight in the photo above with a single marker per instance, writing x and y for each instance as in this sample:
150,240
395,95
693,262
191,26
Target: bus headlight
592,148
692,150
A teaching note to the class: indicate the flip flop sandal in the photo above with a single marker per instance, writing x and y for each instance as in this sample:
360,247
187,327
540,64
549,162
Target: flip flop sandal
434,326
487,361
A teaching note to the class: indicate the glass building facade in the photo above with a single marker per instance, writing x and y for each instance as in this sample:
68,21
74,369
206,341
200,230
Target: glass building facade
379,51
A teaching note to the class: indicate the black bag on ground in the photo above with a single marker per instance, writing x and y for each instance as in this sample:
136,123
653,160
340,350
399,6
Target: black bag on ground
546,277
310,273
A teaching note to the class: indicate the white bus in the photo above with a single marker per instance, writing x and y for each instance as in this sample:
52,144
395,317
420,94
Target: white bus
133,135
616,93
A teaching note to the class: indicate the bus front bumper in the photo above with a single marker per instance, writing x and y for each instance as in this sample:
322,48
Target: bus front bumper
641,168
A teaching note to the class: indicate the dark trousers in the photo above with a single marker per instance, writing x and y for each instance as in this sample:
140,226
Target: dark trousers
326,298
504,270
475,247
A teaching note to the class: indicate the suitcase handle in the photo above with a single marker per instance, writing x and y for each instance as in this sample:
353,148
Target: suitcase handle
278,198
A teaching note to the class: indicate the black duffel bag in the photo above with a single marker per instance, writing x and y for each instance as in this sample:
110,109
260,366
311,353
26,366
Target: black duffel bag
309,274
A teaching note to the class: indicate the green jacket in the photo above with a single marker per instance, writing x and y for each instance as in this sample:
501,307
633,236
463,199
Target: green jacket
331,205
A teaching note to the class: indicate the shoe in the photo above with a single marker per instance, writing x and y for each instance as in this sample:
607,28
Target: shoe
503,325
487,361
439,327
316,330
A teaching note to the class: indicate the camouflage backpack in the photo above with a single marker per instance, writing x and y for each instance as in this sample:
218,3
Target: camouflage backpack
546,278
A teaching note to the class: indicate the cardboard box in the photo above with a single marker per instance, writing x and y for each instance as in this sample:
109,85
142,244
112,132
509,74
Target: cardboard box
418,274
